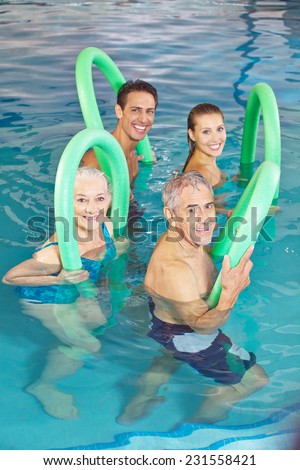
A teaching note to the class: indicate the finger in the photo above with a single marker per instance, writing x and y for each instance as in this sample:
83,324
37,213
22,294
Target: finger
72,272
246,256
250,249
226,264
248,266
85,272
84,275
76,274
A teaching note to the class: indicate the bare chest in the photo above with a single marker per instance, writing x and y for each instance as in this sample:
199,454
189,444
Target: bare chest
133,168
203,271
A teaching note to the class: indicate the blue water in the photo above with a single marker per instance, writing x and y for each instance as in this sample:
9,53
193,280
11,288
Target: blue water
216,51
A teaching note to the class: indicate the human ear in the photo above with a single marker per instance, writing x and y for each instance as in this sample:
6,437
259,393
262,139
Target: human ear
191,135
118,111
168,213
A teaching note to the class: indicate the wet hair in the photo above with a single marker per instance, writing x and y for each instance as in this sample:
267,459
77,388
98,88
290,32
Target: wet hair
137,85
198,110
173,187
88,172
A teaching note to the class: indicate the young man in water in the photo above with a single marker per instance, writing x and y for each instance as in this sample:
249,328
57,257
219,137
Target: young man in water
135,110
179,278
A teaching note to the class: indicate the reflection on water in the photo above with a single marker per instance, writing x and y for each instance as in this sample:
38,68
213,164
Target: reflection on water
215,51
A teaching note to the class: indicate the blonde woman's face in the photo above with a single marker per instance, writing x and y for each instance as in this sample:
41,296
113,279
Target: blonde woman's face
91,201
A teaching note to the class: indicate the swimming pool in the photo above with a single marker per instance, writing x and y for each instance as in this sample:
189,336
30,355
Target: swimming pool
215,51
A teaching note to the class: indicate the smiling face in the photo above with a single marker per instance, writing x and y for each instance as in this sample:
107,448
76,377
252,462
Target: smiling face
194,216
209,134
137,117
91,201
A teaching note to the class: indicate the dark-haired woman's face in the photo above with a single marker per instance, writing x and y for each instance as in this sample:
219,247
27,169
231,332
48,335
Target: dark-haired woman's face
209,134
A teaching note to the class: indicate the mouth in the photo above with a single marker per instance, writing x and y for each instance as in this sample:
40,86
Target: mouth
202,234
203,229
91,218
140,129
215,147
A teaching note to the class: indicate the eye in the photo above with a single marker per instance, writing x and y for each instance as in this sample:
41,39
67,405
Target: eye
221,129
210,205
150,111
81,200
206,132
100,199
191,210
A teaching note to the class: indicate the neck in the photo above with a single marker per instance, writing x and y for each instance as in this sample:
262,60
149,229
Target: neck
90,237
204,159
188,247
127,144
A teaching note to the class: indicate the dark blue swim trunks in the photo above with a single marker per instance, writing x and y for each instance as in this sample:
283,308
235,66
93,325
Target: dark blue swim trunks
212,355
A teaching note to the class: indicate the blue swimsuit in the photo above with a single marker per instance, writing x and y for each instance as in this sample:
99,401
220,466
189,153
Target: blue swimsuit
68,293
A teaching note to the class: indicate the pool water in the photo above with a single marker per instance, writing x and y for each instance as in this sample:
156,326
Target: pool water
214,51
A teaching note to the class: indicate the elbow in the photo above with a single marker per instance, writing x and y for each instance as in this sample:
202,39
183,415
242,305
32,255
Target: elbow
8,279
5,280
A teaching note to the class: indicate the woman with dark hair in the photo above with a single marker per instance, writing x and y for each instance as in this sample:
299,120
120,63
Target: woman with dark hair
206,139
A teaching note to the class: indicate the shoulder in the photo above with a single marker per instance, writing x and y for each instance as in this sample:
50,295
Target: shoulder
90,159
179,271
201,168
48,253
221,182
173,279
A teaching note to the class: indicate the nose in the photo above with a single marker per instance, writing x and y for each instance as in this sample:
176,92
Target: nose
91,207
143,116
202,215
215,136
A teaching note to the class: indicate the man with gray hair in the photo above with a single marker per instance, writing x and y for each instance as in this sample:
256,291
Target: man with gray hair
181,268
179,278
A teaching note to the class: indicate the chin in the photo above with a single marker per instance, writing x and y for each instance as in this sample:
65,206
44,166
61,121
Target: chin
202,240
138,138
203,243
89,225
